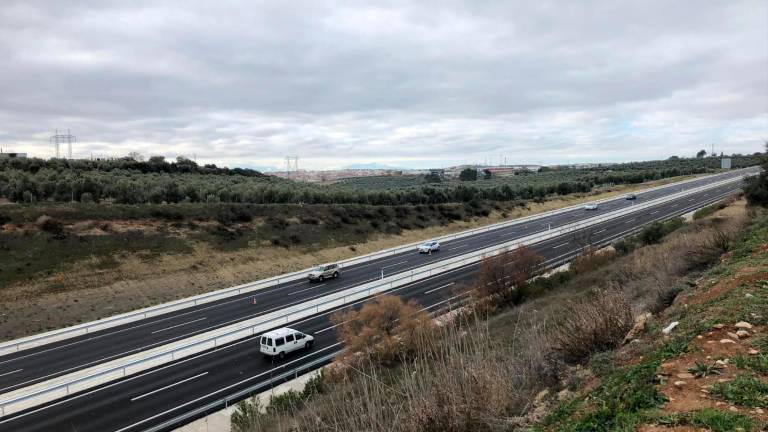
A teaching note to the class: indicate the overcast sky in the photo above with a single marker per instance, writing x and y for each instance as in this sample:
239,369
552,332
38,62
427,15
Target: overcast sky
418,84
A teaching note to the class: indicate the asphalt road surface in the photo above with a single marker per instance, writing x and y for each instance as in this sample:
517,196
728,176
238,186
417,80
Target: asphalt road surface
155,396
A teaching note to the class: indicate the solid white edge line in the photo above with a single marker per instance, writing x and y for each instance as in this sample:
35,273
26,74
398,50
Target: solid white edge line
438,288
222,389
248,340
168,386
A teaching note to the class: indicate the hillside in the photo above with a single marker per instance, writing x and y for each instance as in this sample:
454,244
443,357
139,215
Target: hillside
581,350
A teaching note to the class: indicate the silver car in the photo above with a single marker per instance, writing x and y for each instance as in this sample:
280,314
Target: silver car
325,271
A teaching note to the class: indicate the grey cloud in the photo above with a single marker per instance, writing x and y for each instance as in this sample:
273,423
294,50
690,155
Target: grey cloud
248,82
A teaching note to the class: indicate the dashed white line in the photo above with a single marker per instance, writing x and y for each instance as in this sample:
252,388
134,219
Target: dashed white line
178,325
11,372
598,232
459,246
654,212
630,221
560,245
397,263
169,386
438,288
306,289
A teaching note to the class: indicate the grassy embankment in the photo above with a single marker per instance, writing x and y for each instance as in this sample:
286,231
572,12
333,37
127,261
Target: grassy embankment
94,260
584,352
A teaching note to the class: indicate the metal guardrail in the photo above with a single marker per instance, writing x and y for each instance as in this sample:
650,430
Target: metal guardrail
257,325
242,394
152,311
308,367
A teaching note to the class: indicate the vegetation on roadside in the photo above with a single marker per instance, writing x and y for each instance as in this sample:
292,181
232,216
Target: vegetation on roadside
569,356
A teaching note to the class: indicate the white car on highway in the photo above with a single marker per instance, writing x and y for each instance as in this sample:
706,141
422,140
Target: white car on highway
325,271
590,207
428,247
278,343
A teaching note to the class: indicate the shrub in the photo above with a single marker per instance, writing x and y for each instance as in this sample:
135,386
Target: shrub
503,278
50,225
248,416
652,233
591,325
591,261
384,330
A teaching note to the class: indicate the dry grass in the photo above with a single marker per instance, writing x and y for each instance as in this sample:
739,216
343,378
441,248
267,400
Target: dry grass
593,324
85,292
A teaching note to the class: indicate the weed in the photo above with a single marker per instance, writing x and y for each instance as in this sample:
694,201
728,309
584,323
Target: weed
703,370
757,363
744,390
719,421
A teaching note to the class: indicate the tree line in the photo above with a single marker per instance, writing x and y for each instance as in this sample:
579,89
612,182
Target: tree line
158,181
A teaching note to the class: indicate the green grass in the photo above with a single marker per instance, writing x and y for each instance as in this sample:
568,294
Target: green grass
757,363
744,390
711,419
24,256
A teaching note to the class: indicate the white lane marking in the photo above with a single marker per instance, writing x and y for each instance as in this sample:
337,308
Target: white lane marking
250,340
598,232
673,205
327,328
511,232
630,221
306,289
179,325
441,287
397,263
222,389
459,246
446,300
377,262
11,372
653,212
560,245
169,386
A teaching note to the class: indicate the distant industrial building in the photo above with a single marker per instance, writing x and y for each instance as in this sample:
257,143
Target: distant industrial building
4,155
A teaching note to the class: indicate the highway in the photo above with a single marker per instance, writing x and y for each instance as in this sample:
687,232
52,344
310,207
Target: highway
152,397
33,365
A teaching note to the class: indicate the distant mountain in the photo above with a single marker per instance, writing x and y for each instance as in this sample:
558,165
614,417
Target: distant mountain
372,165
261,168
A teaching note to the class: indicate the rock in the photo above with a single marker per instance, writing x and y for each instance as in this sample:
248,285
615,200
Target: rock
727,341
685,375
733,409
704,391
540,396
748,295
721,362
743,325
679,383
639,326
733,336
718,326
710,341
668,329
742,334
758,411
722,380
699,337
718,403
753,352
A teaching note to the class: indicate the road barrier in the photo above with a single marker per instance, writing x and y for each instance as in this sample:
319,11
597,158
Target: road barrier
153,311
41,393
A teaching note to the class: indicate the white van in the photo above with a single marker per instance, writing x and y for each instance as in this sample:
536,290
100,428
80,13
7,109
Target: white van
283,341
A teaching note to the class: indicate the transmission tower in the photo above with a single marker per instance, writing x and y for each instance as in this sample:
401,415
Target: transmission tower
58,139
291,164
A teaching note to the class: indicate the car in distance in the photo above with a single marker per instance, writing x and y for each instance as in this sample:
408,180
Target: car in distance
282,341
631,196
590,206
428,247
325,271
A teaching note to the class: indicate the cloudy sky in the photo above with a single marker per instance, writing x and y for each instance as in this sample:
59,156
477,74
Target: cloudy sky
418,84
